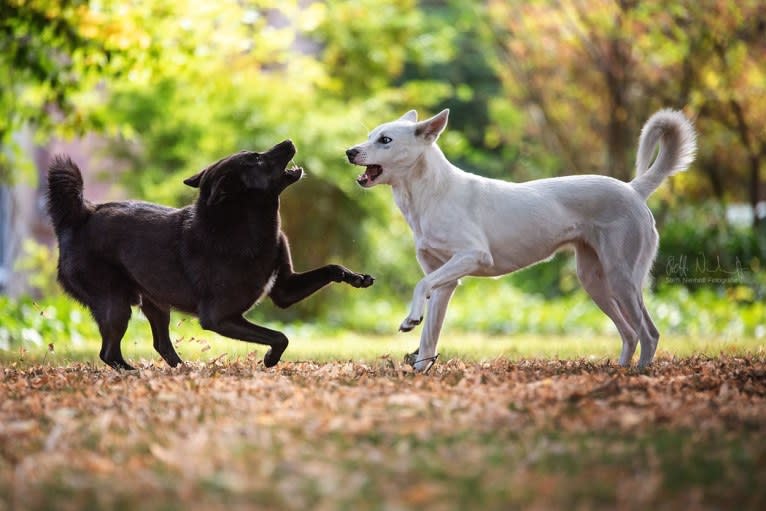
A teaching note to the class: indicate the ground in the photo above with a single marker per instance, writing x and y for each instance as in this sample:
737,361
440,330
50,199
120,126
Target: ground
536,433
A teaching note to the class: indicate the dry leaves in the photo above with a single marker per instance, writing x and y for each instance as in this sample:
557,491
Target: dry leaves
539,433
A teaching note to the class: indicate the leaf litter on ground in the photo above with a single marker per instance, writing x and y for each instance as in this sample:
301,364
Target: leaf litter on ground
375,435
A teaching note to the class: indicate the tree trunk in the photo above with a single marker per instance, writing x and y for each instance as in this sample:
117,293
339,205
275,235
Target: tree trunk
616,136
755,186
711,169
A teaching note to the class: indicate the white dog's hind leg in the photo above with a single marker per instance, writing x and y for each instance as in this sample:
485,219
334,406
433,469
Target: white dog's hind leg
641,272
459,265
649,335
628,297
437,310
625,280
628,334
591,275
652,329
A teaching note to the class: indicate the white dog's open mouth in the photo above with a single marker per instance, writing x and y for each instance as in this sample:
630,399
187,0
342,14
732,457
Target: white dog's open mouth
372,173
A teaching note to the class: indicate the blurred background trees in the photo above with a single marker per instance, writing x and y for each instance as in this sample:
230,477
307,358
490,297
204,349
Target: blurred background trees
602,67
536,89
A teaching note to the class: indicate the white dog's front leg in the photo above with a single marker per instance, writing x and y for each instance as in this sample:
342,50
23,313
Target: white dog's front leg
459,265
437,310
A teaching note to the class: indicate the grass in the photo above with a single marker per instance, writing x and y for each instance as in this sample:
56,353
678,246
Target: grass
194,344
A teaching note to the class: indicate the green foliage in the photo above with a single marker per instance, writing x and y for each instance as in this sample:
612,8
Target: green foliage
39,262
362,61
535,90
175,122
473,143
25,323
480,307
700,249
52,55
676,311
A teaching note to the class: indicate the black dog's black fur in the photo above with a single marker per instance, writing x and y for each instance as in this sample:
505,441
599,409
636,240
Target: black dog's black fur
213,259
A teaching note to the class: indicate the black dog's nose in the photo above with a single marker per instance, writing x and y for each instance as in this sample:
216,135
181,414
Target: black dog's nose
351,153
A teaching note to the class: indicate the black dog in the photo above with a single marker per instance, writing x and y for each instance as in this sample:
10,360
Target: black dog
213,259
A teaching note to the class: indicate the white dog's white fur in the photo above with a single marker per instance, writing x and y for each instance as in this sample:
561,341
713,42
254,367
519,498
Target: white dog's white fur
466,224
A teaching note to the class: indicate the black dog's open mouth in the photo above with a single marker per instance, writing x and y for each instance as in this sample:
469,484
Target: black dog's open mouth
372,173
294,172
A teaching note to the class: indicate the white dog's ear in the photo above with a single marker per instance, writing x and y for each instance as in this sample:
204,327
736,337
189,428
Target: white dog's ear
411,116
430,129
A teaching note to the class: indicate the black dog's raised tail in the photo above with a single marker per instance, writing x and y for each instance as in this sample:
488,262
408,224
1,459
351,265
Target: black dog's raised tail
66,205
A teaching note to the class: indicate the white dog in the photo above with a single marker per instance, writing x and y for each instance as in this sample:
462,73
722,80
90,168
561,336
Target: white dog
465,224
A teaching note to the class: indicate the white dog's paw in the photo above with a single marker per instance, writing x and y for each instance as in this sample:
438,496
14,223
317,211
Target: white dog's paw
424,364
409,323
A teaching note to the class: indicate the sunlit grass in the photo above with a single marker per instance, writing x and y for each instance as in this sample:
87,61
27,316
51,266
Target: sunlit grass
308,345
508,324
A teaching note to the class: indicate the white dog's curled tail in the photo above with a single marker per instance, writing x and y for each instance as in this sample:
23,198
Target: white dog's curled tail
678,145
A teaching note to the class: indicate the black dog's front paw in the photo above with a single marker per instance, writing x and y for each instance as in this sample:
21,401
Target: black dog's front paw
341,274
271,358
359,280
353,279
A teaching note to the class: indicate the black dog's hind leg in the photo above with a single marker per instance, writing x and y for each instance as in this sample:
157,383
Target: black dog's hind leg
159,319
112,314
290,287
237,327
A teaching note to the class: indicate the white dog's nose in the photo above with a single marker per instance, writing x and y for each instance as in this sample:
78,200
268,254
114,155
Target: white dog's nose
351,154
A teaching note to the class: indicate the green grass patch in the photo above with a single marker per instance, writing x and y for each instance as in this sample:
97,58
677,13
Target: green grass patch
308,345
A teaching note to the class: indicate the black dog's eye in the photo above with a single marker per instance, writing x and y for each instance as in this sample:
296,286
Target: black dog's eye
384,140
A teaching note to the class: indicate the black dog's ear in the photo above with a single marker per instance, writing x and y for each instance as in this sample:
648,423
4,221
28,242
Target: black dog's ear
216,190
195,180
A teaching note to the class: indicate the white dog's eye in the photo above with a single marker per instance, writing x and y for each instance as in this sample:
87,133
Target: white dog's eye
384,140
